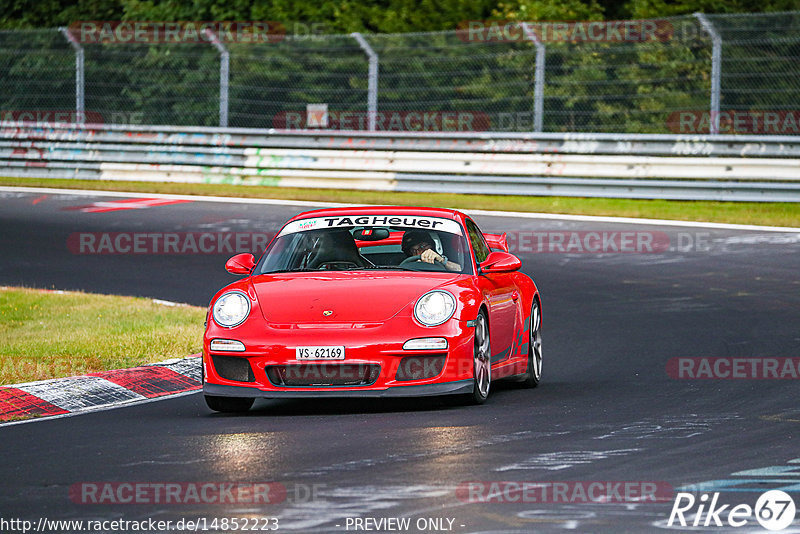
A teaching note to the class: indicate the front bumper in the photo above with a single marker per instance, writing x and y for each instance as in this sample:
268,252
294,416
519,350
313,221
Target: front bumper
377,345
423,390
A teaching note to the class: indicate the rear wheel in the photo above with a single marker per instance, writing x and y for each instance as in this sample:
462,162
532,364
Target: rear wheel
534,373
229,404
482,361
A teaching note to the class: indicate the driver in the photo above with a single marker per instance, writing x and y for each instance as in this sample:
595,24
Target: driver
418,243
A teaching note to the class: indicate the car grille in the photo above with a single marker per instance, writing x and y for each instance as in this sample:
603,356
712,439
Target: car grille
420,367
231,368
322,375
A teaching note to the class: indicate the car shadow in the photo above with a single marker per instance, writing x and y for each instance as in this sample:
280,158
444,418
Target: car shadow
367,405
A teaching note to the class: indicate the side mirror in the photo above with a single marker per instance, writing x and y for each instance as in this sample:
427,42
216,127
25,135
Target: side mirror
500,262
240,264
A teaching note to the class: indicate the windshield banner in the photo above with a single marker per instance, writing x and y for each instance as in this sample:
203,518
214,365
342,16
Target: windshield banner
350,221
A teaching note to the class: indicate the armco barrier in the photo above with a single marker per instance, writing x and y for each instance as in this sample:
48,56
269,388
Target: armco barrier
745,168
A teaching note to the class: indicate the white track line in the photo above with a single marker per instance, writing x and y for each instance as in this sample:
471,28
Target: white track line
633,220
315,204
196,198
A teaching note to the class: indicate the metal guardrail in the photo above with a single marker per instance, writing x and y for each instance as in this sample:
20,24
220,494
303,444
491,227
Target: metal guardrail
722,167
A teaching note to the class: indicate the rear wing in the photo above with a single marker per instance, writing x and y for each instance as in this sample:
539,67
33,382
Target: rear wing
497,241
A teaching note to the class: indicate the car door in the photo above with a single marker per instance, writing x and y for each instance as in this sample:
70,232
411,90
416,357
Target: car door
501,295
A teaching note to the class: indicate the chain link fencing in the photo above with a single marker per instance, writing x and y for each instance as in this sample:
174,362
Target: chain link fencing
691,74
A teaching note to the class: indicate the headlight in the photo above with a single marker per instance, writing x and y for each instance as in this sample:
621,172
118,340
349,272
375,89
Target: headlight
231,309
434,308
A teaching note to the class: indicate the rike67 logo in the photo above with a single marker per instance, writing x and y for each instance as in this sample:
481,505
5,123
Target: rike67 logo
774,510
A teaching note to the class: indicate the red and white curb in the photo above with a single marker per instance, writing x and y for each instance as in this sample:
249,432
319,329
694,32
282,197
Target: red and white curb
96,391
127,204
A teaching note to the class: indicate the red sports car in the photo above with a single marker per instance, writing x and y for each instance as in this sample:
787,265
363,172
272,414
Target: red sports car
372,302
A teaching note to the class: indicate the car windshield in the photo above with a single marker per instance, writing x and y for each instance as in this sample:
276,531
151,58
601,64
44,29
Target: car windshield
368,242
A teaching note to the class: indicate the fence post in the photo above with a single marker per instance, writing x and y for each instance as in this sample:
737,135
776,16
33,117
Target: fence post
224,74
80,115
538,83
372,87
716,69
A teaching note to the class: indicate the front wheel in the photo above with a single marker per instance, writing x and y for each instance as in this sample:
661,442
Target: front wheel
229,404
534,373
482,361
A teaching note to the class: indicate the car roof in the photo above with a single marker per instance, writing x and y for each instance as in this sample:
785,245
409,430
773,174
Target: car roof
383,210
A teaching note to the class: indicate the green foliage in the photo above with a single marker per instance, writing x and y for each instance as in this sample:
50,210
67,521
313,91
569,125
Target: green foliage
539,10
646,9
375,16
590,85
53,13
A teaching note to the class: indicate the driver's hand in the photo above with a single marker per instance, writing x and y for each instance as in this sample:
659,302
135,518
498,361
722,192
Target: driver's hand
430,256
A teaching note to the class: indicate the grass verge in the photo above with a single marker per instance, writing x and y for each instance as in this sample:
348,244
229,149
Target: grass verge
761,213
45,334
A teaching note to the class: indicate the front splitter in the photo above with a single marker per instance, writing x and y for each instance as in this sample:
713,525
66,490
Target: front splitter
425,390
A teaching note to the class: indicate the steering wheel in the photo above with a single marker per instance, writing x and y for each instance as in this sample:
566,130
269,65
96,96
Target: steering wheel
417,261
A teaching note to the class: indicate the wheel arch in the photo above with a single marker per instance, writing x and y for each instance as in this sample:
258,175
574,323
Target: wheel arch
538,300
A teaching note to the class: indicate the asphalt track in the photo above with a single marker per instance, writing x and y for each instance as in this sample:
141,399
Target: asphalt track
607,410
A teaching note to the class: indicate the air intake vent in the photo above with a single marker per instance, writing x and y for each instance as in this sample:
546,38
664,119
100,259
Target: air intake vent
322,375
420,367
232,368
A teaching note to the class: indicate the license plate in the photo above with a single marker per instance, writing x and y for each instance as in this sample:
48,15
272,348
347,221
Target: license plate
319,353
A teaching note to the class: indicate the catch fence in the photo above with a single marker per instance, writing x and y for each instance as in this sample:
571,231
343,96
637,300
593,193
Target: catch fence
696,74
